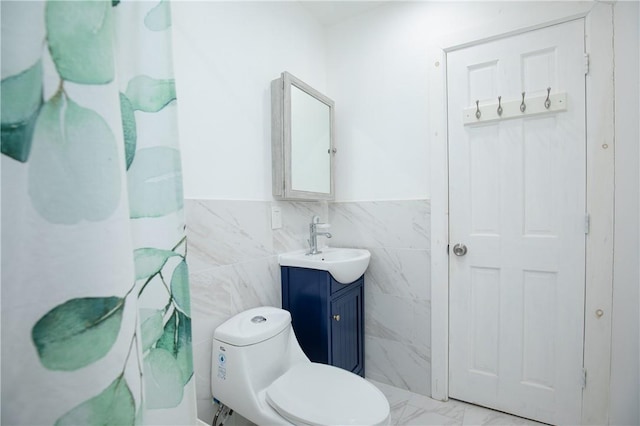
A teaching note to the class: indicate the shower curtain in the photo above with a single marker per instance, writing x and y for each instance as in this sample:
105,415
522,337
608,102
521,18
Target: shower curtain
96,323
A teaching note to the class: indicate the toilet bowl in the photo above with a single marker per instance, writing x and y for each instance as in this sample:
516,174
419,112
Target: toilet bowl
260,371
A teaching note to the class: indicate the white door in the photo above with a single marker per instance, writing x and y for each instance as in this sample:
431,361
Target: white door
517,202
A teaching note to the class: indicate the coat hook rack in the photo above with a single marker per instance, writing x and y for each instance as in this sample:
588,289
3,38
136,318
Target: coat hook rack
535,105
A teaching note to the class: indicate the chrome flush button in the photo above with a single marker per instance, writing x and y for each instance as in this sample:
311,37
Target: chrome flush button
258,319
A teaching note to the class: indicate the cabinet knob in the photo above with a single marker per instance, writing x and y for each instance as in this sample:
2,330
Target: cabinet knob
336,317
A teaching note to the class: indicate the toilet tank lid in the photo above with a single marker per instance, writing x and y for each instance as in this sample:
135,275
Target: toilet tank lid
253,326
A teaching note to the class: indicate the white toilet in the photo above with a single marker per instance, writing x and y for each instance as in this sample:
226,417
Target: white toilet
260,371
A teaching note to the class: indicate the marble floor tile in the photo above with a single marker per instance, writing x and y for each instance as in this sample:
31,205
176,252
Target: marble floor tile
409,408
398,399
420,416
393,393
475,415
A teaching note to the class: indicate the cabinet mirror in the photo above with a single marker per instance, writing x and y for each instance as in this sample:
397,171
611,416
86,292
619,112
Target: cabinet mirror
302,143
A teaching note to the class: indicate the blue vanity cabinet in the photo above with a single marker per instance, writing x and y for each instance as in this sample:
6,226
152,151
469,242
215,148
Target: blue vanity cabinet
327,317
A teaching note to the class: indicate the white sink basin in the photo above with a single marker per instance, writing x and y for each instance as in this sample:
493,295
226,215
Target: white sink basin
345,264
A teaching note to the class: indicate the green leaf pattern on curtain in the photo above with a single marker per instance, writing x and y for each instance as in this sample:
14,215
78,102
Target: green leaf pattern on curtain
176,339
180,287
159,18
151,327
113,406
78,332
167,346
150,261
128,128
149,94
73,170
79,35
21,99
163,379
155,183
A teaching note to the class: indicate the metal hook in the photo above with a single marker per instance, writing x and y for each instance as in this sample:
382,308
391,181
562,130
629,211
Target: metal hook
499,105
478,113
547,102
523,106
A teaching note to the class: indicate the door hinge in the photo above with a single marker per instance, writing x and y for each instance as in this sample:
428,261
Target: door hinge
587,223
584,378
586,63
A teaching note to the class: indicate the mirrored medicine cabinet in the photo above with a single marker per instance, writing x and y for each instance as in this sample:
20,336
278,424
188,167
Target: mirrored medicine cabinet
302,143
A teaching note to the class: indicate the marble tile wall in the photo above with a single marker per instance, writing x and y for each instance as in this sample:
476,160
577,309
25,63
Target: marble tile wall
232,253
397,286
233,266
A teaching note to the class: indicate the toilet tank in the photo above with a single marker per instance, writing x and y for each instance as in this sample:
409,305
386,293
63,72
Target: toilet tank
250,351
253,326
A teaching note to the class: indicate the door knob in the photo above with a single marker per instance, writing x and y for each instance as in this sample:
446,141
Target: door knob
336,317
459,249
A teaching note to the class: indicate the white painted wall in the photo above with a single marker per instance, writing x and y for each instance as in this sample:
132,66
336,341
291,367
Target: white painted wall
377,74
226,54
378,63
625,355
374,65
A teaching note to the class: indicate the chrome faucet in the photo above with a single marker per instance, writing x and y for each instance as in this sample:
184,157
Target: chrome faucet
313,234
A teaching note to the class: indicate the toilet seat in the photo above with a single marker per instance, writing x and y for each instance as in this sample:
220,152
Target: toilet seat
322,395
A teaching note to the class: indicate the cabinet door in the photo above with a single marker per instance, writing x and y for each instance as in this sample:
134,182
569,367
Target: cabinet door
346,330
305,295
